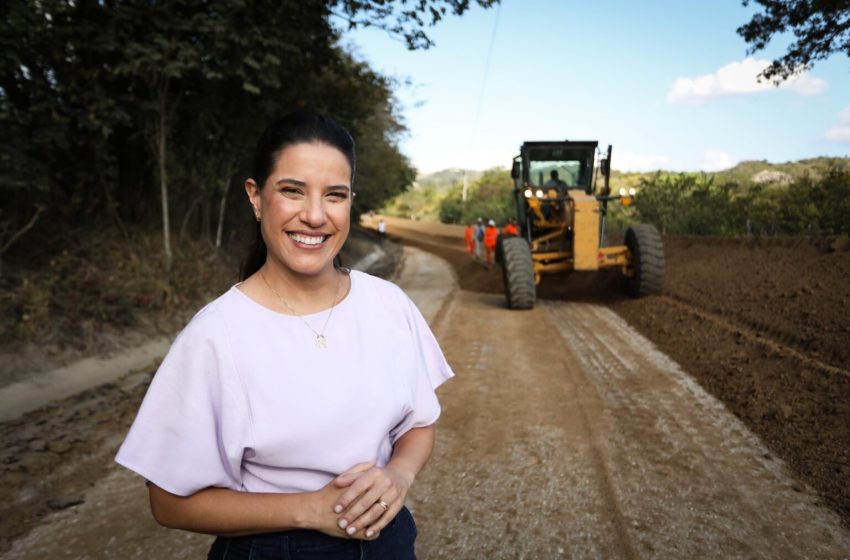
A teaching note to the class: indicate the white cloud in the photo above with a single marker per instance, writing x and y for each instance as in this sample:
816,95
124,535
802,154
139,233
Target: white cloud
841,131
630,161
716,160
738,78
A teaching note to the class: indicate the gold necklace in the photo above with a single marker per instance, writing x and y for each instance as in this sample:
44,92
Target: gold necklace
321,339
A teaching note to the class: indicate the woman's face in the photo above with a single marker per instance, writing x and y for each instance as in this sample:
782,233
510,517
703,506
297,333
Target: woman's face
305,207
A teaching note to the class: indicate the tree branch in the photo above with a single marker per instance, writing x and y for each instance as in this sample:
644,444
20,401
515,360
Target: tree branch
38,210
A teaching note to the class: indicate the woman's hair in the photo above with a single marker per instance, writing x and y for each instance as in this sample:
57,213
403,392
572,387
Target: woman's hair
299,127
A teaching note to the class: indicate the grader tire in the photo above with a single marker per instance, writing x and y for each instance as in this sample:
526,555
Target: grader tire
518,273
644,242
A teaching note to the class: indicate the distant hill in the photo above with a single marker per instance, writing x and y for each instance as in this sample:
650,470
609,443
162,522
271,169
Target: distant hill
748,172
442,181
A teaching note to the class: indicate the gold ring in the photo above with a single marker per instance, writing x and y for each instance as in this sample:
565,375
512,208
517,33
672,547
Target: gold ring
384,505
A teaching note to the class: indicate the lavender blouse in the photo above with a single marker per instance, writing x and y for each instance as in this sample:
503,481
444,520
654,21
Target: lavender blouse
245,400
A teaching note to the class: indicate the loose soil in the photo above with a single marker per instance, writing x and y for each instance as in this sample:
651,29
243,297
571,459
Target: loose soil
763,324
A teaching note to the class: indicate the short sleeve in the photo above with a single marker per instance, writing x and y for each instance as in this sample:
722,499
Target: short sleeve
430,370
192,429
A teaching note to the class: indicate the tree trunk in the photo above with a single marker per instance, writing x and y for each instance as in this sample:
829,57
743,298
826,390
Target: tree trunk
187,216
221,207
163,181
7,243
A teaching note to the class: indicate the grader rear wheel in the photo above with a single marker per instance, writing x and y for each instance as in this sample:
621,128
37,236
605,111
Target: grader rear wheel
518,273
644,242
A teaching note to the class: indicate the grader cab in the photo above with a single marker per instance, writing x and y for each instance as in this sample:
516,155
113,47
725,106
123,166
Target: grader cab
561,221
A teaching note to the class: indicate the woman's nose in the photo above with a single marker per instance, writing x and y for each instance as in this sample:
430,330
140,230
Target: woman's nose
313,212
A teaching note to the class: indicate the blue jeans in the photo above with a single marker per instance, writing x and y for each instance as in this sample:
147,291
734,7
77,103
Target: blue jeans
395,543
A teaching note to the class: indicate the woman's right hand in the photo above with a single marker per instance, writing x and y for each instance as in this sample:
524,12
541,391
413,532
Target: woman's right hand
323,517
226,512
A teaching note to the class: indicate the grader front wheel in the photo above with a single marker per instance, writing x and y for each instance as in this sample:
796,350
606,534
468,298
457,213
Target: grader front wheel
518,273
644,243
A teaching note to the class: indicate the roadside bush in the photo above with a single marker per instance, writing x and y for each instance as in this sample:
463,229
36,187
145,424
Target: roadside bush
107,282
695,204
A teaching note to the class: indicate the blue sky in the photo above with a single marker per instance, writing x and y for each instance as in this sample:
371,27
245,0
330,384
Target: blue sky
667,83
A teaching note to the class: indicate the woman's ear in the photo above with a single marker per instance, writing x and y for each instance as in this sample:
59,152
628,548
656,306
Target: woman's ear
253,192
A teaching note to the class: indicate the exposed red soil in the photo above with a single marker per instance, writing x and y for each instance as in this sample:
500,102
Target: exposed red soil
761,323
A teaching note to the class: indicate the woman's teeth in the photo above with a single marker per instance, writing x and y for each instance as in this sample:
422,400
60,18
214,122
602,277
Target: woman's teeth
307,239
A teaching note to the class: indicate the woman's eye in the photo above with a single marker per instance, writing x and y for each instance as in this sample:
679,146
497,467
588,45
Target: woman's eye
338,195
290,191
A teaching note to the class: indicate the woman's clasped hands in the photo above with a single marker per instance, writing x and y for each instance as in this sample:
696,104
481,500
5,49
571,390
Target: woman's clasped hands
371,497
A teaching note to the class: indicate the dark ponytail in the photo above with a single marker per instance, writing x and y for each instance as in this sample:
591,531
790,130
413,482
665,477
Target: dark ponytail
295,128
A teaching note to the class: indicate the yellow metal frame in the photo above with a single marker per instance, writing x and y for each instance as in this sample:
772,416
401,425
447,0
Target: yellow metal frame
583,220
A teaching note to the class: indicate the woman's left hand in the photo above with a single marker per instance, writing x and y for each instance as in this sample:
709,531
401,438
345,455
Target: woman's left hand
373,498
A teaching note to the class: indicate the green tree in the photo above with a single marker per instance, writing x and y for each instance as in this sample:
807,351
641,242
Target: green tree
132,110
402,19
834,201
821,28
490,197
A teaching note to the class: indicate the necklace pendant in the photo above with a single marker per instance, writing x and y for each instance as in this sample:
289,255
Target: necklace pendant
321,341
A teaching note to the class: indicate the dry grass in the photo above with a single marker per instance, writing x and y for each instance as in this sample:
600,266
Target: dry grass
106,282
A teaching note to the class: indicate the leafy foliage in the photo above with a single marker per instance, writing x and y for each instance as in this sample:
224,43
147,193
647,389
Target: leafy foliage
101,102
698,204
490,197
405,21
821,28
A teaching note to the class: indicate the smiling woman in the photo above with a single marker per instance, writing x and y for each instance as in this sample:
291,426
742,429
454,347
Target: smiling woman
294,412
303,211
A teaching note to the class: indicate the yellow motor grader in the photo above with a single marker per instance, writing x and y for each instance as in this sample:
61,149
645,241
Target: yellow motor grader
561,222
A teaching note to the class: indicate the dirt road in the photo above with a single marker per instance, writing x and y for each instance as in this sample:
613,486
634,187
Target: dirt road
567,434
564,434
763,324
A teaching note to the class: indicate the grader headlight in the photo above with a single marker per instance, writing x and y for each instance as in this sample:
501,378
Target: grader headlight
527,193
539,193
632,191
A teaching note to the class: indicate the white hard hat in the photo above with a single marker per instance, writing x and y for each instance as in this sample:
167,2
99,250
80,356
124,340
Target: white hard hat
491,223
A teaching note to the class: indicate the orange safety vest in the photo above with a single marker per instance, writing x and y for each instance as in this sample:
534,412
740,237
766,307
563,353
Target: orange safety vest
491,234
509,229
468,234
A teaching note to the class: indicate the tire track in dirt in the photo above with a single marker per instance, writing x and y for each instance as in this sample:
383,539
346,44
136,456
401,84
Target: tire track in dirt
601,456
753,332
516,473
692,479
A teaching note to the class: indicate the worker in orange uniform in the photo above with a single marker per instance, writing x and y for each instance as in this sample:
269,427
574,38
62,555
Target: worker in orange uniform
510,229
470,242
491,235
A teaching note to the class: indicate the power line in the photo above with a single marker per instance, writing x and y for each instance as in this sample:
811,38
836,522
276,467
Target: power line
483,89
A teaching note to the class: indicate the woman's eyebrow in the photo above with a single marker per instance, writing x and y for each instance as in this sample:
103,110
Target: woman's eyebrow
299,183
289,181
